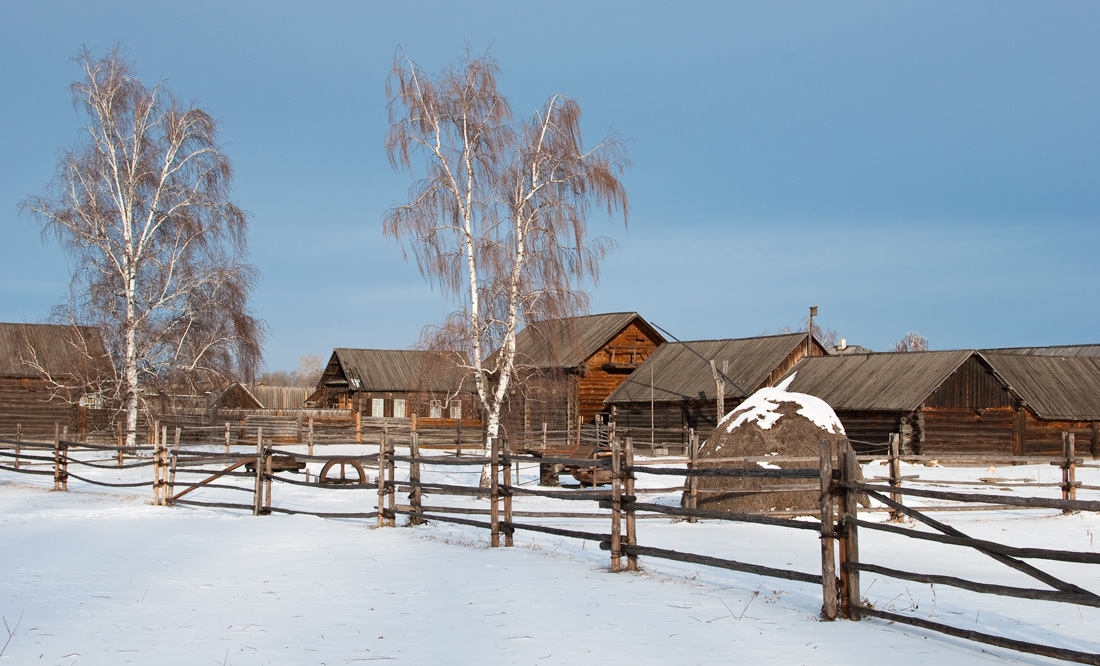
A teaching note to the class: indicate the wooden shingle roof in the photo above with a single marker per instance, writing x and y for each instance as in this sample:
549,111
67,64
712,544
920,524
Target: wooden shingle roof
677,373
1054,387
398,369
571,341
1059,350
62,351
898,381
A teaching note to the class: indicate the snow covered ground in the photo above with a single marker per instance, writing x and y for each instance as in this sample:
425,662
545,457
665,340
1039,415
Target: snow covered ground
94,577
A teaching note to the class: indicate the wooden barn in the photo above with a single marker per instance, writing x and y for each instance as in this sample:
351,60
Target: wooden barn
46,377
957,401
676,389
397,383
567,367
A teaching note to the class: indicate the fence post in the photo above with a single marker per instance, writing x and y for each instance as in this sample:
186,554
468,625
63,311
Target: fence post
156,472
227,438
56,456
616,506
1069,470
172,475
162,463
258,492
692,481
629,499
120,450
494,492
849,542
391,476
828,542
507,492
895,475
359,430
311,435
18,438
415,492
381,480
65,457
267,481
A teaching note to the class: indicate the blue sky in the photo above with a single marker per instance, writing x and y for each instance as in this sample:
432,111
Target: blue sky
927,166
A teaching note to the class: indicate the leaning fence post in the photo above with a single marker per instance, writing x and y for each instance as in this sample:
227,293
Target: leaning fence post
415,492
849,545
895,475
1069,470
631,526
828,553
616,506
494,492
257,496
506,491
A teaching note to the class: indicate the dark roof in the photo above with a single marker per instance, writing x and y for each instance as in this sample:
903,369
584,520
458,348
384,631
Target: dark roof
898,381
571,341
62,351
849,349
1054,387
678,373
399,369
1060,350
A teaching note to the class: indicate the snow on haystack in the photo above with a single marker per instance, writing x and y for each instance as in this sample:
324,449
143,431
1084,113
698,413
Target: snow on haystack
772,422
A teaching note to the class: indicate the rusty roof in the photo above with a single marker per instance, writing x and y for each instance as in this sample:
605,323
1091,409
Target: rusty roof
1054,387
569,342
396,370
893,381
677,373
61,351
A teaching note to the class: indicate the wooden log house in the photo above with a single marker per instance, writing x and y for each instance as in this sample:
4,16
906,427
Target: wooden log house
567,367
676,388
960,401
47,376
397,383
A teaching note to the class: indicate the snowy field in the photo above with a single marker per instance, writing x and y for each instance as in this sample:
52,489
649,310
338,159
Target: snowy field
94,577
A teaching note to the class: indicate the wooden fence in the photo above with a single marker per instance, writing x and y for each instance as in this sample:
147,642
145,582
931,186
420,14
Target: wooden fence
399,460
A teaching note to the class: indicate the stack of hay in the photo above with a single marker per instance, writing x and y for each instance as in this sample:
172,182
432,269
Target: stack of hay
771,423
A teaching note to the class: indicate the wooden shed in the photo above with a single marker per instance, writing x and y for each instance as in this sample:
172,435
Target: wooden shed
48,375
397,383
676,389
567,367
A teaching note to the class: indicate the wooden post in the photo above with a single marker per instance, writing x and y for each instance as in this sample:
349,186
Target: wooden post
120,450
849,544
156,472
895,475
56,456
1069,470
64,457
458,438
507,491
494,493
1096,439
628,488
298,429
172,475
257,496
266,509
381,480
227,438
616,507
311,435
162,463
416,494
18,438
391,475
828,552
359,431
693,481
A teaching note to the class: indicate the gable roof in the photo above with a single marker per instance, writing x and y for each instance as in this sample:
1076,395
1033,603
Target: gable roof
569,342
396,370
62,351
1059,350
892,381
1054,387
678,373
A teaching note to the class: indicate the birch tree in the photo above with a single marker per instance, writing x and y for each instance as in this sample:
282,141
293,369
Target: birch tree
142,205
497,215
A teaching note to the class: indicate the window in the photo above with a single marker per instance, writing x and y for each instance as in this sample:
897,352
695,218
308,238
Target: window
398,408
456,409
377,407
436,409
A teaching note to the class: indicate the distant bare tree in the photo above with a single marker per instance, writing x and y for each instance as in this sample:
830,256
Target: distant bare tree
142,204
912,342
306,375
826,336
497,217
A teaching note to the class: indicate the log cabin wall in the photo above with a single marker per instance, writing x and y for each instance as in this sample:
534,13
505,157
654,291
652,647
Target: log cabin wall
1044,438
609,367
869,431
962,430
25,404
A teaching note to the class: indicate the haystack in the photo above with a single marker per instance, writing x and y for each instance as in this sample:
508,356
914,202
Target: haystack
771,423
